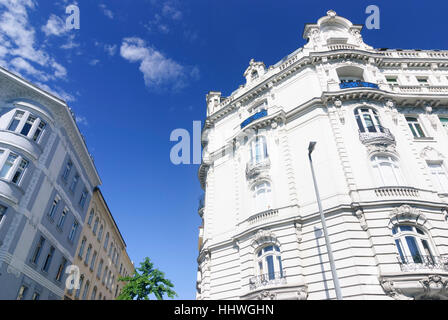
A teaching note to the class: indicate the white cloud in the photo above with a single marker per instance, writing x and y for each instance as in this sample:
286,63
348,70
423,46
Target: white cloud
156,68
94,62
170,11
110,49
55,26
18,48
107,12
82,120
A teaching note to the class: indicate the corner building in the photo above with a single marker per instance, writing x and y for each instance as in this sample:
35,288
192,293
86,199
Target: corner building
380,120
46,180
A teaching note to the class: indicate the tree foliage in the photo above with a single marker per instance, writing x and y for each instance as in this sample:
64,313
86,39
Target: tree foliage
146,281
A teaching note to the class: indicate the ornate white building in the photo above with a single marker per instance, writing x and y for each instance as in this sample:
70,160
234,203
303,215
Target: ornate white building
380,120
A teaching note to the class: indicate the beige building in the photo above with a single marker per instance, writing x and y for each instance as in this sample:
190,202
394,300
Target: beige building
101,255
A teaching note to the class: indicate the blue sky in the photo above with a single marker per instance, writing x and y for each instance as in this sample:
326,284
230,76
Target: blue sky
138,69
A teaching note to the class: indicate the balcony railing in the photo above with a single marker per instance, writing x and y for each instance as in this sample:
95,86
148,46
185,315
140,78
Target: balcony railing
253,169
273,278
357,84
376,134
422,263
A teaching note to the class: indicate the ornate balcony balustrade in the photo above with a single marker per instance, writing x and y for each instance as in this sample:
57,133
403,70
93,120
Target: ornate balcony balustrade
376,134
254,169
357,84
423,263
273,278
397,192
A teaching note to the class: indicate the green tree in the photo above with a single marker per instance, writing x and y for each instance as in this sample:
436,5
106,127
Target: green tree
146,281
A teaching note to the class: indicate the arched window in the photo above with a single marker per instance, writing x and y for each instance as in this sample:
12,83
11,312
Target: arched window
262,196
95,226
387,171
368,120
100,233
413,245
106,241
89,250
81,248
93,297
78,292
105,275
92,213
269,262
86,290
100,267
258,149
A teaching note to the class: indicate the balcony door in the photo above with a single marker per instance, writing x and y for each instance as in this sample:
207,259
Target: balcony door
368,120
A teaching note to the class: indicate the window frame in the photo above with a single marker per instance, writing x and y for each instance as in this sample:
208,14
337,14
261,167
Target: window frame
262,264
35,127
416,127
379,173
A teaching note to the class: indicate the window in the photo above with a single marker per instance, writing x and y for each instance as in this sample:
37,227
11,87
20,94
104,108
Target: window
100,233
422,80
61,269
391,79
104,275
387,171
81,248
22,292
28,124
116,291
269,262
48,259
92,263
93,297
54,207
15,121
74,182
86,290
82,200
412,244
68,168
106,242
81,281
38,250
254,75
13,167
368,120
73,231
92,213
2,212
262,196
100,296
19,172
100,267
89,250
95,226
444,122
415,127
439,176
61,221
40,128
36,296
258,150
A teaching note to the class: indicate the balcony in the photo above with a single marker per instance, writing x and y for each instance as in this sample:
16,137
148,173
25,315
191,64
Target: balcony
377,135
268,279
423,263
357,84
254,169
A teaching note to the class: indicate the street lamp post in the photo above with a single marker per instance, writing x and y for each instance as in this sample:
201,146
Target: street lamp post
337,288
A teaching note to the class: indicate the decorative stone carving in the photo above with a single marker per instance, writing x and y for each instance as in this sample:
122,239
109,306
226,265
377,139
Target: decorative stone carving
257,169
267,295
430,154
302,294
263,237
390,290
341,113
359,213
434,285
406,213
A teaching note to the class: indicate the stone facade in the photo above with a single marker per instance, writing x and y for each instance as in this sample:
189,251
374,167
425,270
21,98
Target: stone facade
101,255
380,120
